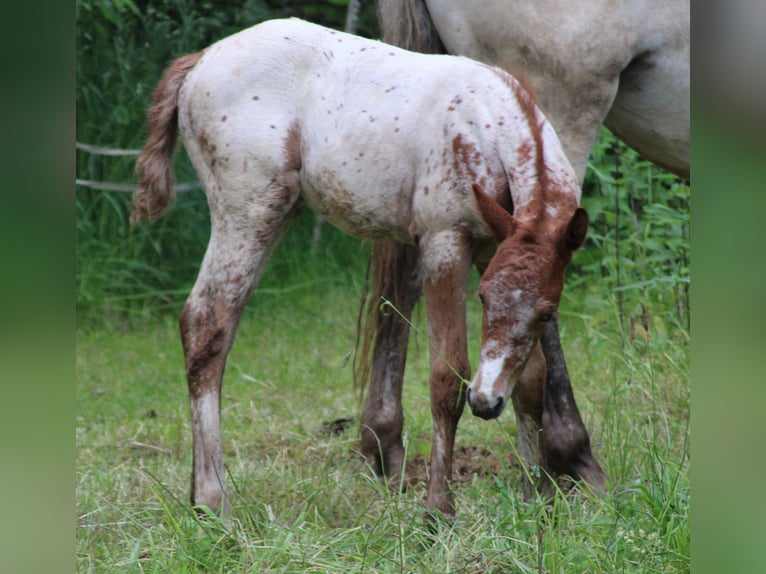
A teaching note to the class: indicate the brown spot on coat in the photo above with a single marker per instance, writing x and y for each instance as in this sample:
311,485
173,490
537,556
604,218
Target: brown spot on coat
465,156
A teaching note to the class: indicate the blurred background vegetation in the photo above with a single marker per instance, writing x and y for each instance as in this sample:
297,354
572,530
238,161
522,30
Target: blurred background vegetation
636,260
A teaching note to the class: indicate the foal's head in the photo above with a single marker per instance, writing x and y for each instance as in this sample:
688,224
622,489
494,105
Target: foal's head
520,292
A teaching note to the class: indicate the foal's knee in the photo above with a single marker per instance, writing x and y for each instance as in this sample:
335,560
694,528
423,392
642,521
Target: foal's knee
205,342
448,391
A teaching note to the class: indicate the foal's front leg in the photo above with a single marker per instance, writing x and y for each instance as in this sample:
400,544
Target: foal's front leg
527,400
446,263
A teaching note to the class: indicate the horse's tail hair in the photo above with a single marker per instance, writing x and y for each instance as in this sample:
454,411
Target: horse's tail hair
392,275
407,24
156,192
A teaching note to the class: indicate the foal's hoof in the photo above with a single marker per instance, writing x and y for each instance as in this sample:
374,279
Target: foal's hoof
437,521
205,513
216,506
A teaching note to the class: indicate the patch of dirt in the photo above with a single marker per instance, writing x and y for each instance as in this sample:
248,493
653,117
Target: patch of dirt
467,462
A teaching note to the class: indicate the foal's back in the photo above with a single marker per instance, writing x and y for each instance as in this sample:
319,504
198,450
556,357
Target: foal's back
361,130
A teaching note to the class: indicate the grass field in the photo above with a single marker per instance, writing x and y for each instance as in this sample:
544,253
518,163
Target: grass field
303,501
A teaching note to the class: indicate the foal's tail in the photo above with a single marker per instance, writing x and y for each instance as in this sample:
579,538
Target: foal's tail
156,193
407,24
392,273
382,334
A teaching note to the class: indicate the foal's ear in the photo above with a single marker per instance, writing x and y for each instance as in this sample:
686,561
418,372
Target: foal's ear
576,229
499,220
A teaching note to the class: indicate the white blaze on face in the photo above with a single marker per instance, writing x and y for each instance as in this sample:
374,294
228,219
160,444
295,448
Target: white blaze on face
489,372
503,360
498,372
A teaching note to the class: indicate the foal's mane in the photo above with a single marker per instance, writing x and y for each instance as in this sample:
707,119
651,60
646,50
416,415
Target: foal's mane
531,110
525,95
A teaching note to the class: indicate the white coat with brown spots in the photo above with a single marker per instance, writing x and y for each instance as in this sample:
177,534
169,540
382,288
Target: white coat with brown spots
433,151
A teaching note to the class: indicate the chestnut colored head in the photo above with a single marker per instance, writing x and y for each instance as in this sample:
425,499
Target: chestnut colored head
520,292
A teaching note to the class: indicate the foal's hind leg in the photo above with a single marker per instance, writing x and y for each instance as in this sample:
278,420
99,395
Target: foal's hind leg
393,276
234,261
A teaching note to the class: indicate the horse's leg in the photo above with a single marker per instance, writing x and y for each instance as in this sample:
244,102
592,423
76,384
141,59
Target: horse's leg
393,276
576,112
565,440
446,262
234,262
527,398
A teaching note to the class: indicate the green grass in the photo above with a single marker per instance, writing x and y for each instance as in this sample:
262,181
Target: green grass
306,502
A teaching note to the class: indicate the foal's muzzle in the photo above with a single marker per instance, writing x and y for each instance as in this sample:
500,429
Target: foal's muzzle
483,406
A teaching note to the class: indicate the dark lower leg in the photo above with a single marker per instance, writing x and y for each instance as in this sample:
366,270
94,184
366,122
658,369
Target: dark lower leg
382,417
394,277
447,402
565,441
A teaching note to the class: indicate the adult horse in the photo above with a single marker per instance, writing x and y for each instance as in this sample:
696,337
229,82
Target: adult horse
431,151
625,64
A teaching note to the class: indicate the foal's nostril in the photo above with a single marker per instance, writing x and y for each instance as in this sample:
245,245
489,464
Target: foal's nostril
483,406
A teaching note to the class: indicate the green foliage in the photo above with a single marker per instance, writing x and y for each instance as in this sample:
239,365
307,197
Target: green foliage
637,250
122,48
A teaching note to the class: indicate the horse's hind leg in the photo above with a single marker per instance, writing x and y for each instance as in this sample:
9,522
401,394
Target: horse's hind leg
234,261
393,276
566,444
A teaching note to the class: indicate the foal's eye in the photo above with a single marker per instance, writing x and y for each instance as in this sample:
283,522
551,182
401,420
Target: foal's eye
545,317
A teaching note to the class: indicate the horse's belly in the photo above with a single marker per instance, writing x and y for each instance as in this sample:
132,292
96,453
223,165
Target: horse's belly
364,211
651,110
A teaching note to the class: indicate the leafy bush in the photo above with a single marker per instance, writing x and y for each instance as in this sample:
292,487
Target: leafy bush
638,242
